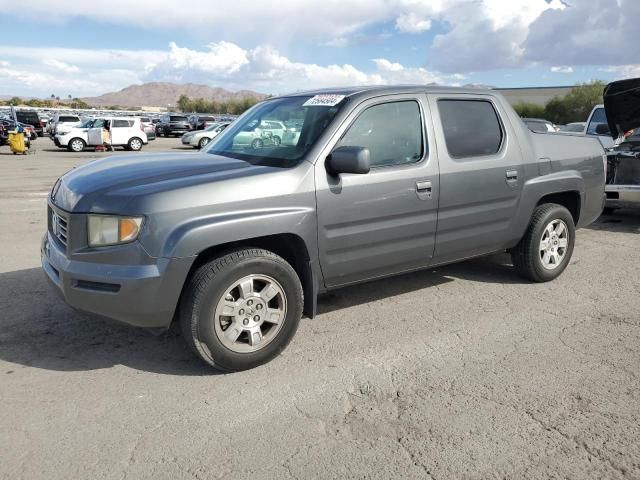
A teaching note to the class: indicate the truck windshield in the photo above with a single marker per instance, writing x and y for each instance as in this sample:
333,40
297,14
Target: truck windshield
278,132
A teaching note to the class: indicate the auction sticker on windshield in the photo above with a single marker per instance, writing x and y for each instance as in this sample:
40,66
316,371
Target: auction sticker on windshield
325,100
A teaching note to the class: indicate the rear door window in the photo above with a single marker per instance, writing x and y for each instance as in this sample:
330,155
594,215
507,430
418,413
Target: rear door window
471,127
121,123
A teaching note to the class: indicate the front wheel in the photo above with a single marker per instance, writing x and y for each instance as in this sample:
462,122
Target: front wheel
135,144
203,142
546,248
242,309
77,145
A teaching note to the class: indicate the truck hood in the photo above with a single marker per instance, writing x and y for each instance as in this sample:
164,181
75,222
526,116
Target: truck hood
622,105
107,185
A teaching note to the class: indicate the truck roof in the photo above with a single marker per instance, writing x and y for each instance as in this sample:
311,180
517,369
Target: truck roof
390,90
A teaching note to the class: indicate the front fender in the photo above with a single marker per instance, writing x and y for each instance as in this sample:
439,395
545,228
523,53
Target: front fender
197,234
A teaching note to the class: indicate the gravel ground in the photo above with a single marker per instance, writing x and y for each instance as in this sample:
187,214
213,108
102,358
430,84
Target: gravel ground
465,371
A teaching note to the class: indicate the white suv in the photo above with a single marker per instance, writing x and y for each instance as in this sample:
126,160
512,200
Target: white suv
62,123
126,132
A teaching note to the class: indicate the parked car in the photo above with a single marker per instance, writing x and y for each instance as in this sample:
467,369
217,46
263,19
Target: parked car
10,125
78,134
598,126
575,127
125,132
198,139
236,242
259,134
149,128
200,122
622,117
171,124
31,117
64,123
539,125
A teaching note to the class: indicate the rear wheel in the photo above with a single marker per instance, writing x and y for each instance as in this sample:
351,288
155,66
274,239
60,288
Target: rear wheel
76,145
546,248
257,143
242,309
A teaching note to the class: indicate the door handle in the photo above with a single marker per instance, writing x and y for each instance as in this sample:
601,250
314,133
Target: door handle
512,175
423,186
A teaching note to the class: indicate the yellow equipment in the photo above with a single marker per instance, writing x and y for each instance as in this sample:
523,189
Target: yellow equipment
17,143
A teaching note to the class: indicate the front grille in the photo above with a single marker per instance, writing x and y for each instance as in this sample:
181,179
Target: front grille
59,226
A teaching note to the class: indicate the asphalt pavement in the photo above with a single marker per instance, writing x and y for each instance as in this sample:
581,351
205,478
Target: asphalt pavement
466,371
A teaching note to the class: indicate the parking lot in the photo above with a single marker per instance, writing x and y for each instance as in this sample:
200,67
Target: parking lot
465,371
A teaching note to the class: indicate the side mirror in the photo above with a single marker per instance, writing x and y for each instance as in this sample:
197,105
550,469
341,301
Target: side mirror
603,129
349,160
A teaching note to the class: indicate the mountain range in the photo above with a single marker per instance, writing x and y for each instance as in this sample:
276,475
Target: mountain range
162,94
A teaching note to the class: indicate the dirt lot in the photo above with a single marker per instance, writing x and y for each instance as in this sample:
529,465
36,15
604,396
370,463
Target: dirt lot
461,372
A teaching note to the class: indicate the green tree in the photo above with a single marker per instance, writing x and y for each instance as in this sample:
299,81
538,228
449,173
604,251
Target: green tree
184,103
529,110
77,103
576,105
15,101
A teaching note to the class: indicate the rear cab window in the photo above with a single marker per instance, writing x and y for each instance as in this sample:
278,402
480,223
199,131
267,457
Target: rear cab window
178,118
471,127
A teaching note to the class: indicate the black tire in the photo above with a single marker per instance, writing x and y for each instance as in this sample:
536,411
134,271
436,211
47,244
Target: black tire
257,143
526,255
277,141
135,144
203,142
205,288
77,141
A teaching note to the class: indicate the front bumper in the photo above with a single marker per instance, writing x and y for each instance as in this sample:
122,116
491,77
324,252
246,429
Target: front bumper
138,295
622,196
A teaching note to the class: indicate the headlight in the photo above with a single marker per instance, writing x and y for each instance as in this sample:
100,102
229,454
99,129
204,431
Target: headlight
111,230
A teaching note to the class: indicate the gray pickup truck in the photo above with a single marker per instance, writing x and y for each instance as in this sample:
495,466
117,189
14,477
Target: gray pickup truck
237,241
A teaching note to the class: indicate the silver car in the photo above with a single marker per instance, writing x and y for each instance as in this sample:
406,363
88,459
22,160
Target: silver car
258,134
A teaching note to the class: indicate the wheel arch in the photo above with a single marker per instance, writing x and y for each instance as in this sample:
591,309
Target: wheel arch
570,199
289,246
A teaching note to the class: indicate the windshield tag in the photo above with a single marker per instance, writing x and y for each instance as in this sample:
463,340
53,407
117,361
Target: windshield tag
325,100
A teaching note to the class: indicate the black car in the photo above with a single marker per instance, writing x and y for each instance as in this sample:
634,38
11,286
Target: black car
30,117
172,125
8,125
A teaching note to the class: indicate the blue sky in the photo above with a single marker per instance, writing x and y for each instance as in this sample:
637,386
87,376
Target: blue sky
88,48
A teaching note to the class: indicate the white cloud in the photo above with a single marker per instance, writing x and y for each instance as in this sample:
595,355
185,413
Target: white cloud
562,69
588,32
412,23
624,71
58,65
266,69
224,64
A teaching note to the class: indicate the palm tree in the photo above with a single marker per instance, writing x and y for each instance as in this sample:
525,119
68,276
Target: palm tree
53,96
